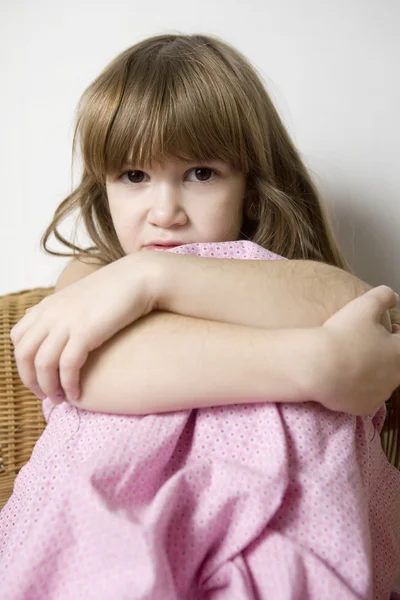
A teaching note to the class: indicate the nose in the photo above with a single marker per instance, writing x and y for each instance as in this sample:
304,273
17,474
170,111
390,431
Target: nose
166,207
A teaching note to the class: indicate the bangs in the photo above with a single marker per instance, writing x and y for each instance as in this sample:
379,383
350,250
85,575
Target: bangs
181,106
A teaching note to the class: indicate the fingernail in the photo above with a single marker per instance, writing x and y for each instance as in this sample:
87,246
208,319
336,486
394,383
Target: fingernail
38,392
73,396
56,401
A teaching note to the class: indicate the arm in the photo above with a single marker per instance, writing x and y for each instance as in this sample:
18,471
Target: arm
98,380
195,363
256,293
349,364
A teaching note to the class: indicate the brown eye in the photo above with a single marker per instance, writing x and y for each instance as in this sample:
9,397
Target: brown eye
135,176
202,174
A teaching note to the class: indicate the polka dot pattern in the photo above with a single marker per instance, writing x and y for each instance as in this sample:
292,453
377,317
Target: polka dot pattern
238,502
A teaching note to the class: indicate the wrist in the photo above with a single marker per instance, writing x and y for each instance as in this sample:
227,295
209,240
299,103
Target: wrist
329,369
314,364
156,277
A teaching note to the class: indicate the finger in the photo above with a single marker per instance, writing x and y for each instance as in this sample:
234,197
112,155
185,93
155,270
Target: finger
378,300
71,361
20,328
47,362
32,307
25,353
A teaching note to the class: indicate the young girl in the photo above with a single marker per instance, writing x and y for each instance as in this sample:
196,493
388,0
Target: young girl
282,495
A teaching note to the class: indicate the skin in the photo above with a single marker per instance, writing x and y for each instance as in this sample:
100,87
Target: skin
176,201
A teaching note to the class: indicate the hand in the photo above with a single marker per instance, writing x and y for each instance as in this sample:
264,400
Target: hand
361,367
52,341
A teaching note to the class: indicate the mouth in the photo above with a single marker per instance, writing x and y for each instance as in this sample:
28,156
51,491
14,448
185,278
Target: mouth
162,246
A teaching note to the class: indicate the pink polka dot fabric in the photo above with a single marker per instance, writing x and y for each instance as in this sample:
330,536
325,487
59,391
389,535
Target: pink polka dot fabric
266,501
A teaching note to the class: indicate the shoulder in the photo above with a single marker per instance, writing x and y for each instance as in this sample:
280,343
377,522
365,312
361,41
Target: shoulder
76,269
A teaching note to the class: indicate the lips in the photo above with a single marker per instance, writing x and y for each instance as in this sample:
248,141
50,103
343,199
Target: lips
159,245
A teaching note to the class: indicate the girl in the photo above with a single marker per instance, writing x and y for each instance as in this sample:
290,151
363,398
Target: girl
182,147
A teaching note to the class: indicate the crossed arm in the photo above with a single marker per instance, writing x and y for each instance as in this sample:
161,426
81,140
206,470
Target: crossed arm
202,348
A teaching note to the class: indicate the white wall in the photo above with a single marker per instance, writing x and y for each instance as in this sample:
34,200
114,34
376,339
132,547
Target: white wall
331,68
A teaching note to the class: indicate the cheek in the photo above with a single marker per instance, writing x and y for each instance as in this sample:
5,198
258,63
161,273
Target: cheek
121,212
222,222
231,208
126,228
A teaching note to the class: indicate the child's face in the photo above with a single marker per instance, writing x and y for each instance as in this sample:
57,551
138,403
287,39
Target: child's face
176,201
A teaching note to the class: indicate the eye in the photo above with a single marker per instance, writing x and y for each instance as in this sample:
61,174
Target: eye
135,176
203,174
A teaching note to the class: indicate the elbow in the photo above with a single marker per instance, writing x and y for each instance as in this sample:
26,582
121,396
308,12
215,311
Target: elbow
108,388
109,401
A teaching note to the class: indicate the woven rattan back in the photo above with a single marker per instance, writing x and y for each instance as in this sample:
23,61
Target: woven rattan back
21,416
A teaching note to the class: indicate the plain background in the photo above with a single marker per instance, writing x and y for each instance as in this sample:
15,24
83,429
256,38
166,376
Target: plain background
330,68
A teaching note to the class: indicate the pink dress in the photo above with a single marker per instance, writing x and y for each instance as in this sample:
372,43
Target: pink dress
252,501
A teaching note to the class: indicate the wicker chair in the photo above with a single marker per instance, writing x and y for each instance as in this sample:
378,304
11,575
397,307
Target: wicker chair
21,418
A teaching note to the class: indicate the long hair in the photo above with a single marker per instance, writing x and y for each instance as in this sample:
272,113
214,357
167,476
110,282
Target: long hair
196,98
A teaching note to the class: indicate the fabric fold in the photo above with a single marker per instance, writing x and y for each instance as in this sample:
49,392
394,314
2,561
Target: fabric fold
251,501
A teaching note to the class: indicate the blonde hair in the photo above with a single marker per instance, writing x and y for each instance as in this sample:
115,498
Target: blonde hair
193,97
